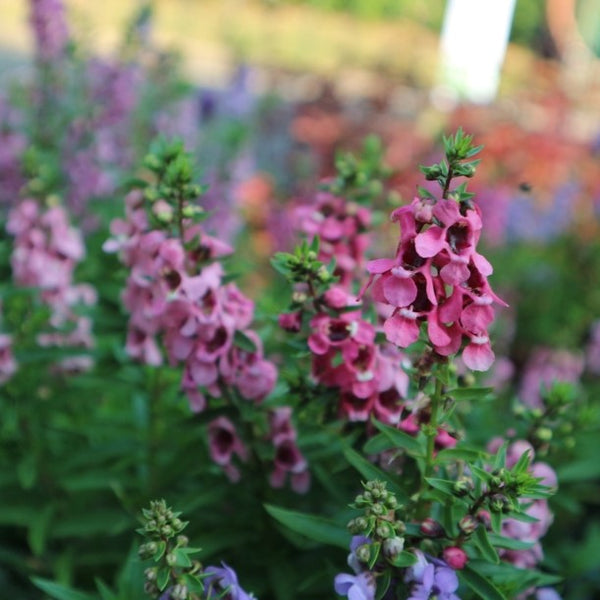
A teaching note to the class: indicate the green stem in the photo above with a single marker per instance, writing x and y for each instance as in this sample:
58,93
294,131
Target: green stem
447,184
436,399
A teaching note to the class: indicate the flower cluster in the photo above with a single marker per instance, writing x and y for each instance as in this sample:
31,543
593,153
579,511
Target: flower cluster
346,356
196,314
45,253
437,276
341,227
176,576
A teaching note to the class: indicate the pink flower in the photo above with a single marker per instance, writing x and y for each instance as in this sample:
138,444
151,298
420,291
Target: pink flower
437,278
288,458
223,444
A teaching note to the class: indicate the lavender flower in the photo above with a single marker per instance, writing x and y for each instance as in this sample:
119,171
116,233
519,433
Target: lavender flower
355,587
224,579
431,577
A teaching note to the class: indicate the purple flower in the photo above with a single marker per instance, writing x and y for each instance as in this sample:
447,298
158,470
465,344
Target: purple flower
431,577
353,560
355,587
224,579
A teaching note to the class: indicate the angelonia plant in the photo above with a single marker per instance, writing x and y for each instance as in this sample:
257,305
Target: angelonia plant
175,574
444,515
463,512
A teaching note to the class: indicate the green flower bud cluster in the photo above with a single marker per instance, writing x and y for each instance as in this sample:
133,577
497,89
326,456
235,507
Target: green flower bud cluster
458,148
160,522
302,266
379,523
552,426
361,178
172,191
168,548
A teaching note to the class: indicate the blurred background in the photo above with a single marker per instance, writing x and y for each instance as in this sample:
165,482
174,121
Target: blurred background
266,93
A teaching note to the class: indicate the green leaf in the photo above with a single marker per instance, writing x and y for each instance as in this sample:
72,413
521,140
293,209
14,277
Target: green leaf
27,470
452,454
375,549
496,521
181,558
369,471
242,341
161,546
38,530
162,578
404,559
105,591
578,470
481,540
313,527
470,393
500,459
523,463
400,439
383,583
483,587
499,541
58,591
444,485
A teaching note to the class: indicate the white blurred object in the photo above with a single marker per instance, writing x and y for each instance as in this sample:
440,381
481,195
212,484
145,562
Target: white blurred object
473,45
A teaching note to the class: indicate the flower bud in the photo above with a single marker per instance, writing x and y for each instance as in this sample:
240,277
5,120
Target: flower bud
455,557
544,434
463,486
498,502
431,528
182,541
171,559
290,321
468,524
363,553
377,509
384,530
179,592
391,501
400,526
150,574
392,547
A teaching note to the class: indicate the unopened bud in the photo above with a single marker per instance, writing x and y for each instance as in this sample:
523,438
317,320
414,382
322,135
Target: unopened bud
498,502
171,559
468,524
463,486
179,592
392,547
384,530
363,553
400,526
455,557
431,528
544,434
